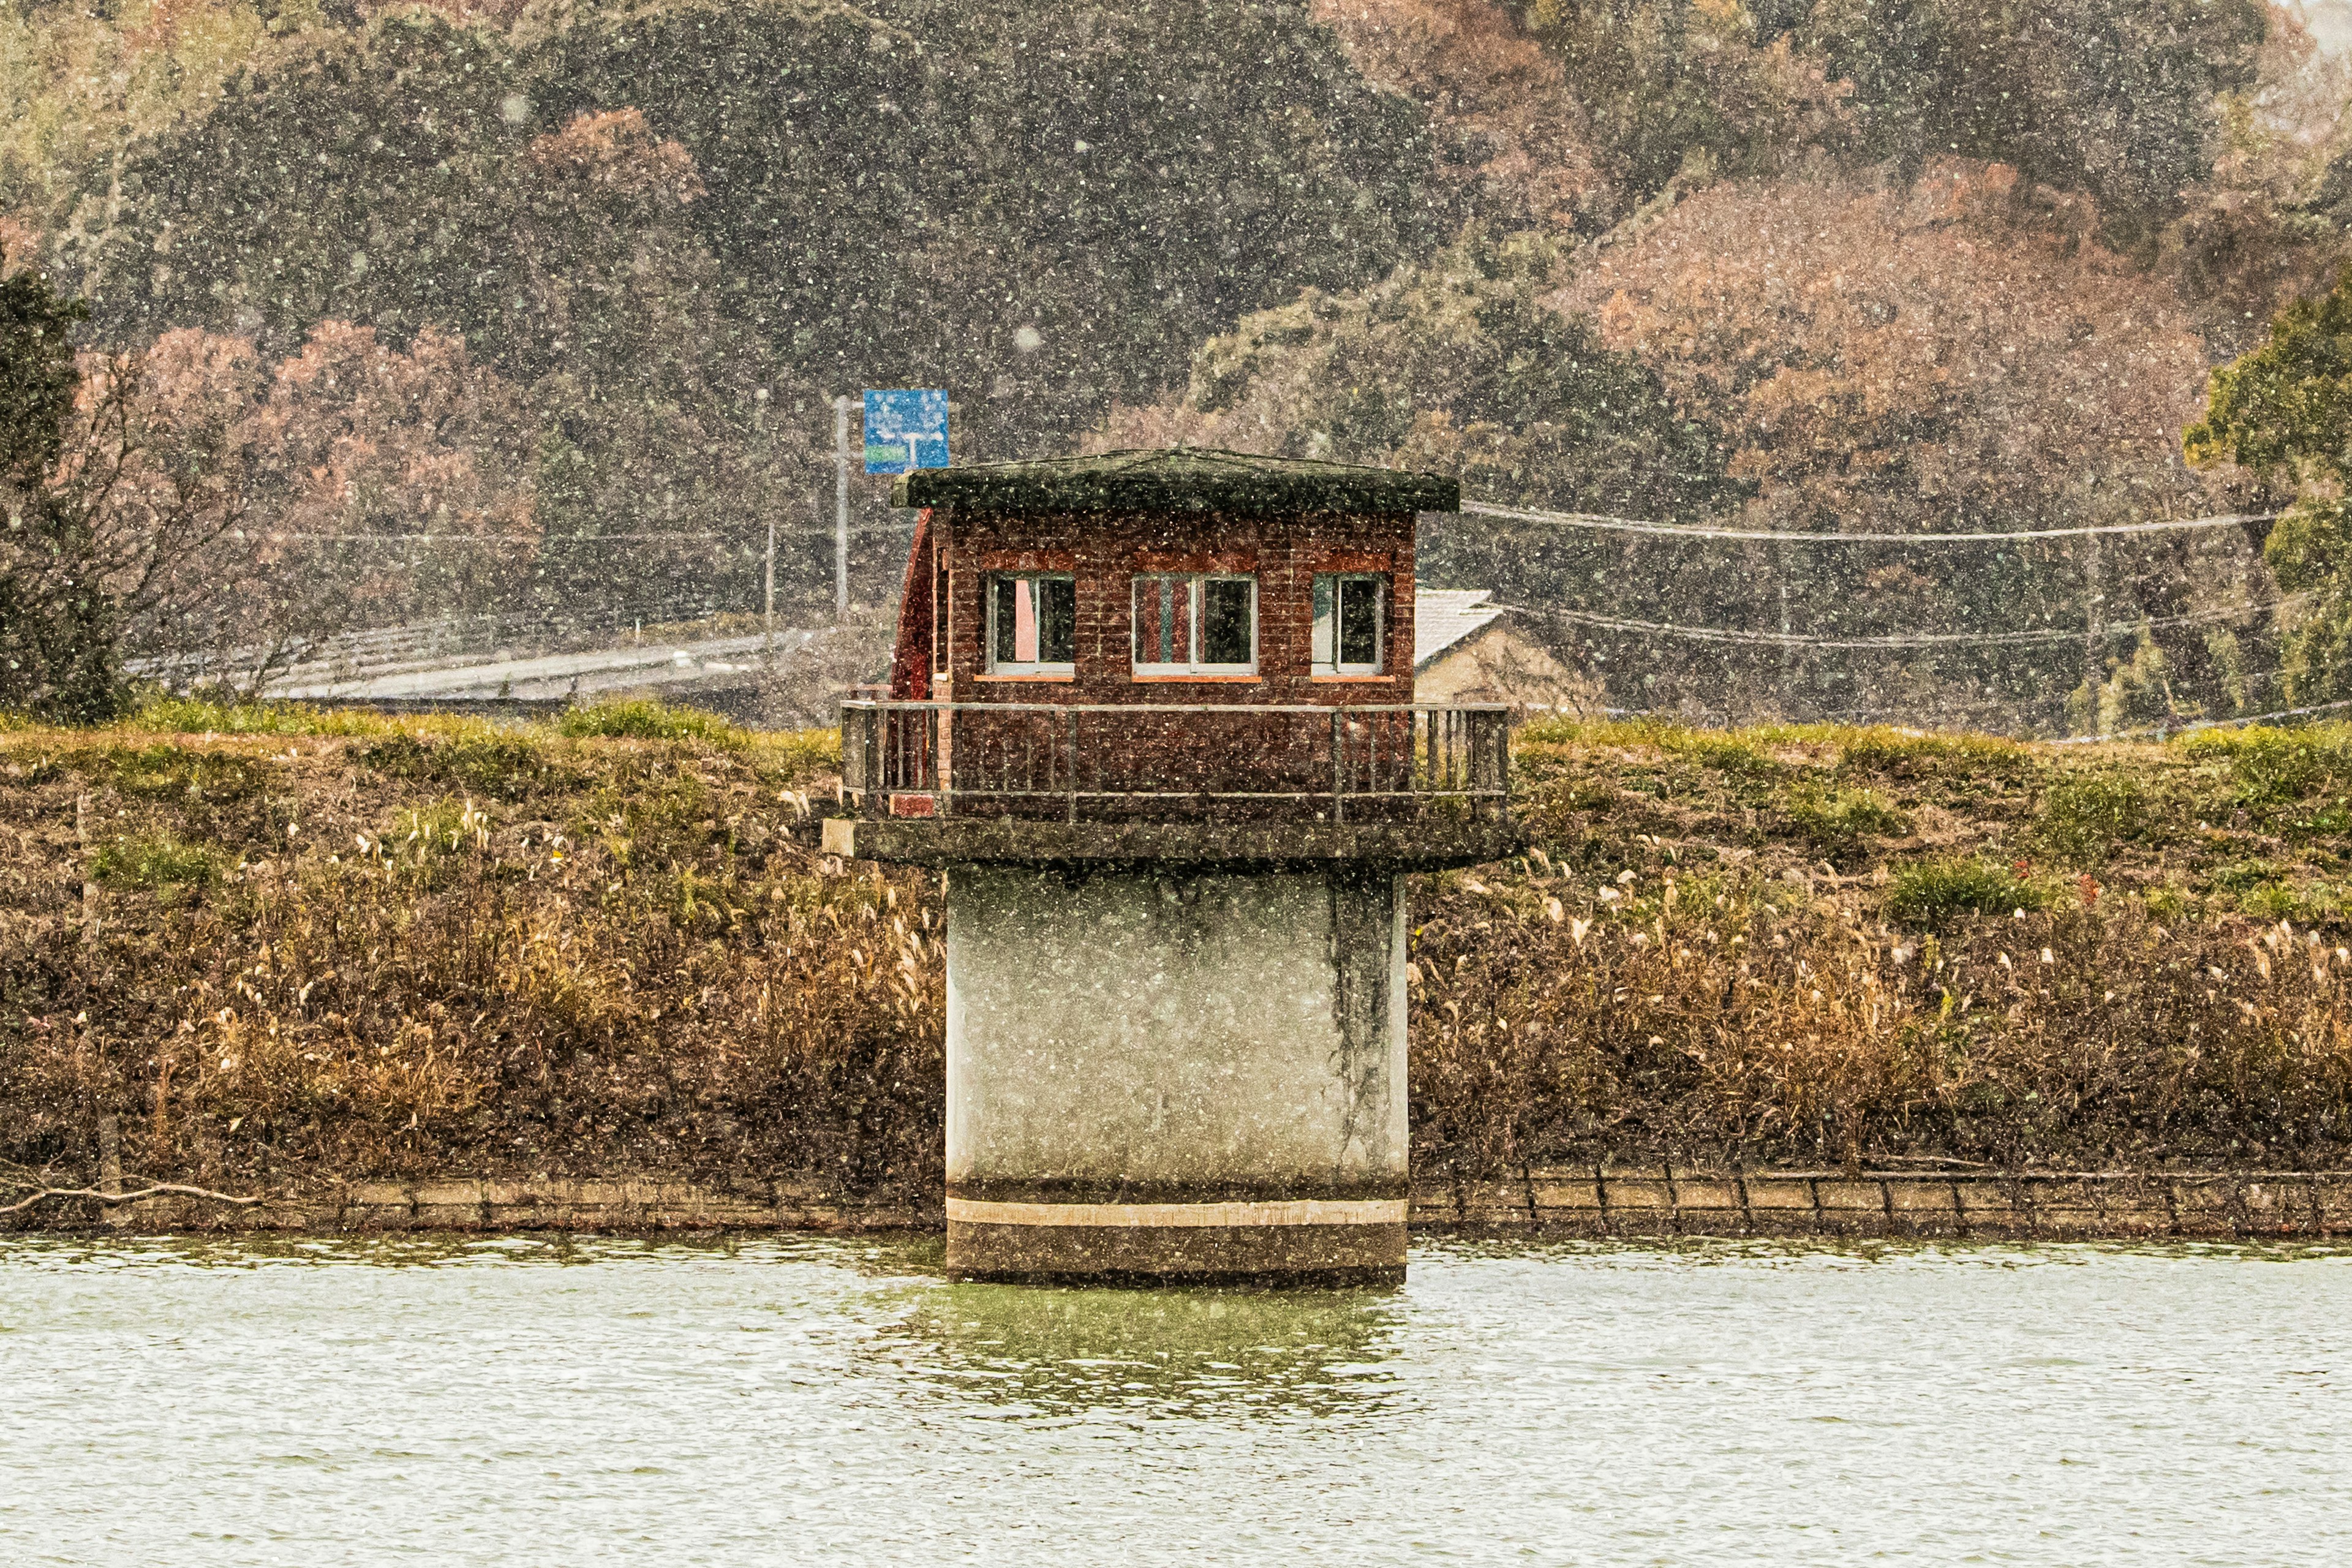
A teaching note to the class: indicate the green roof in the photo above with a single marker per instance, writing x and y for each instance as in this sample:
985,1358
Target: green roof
1176,479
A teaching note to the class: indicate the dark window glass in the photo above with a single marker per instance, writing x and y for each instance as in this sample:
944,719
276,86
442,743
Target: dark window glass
1226,633
1360,620
1005,615
1032,622
1057,620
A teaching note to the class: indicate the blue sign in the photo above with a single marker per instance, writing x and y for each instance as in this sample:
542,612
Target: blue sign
905,431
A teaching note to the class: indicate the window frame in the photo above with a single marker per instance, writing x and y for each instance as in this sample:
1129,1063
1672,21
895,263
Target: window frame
1196,586
941,619
1334,667
990,664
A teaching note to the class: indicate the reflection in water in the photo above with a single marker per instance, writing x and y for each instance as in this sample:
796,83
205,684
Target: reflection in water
1032,1350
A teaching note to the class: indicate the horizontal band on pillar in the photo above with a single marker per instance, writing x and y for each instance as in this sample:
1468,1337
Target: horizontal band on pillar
1295,1211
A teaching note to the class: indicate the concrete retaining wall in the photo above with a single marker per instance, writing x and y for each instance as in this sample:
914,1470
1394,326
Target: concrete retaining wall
1676,1201
590,1204
1555,1201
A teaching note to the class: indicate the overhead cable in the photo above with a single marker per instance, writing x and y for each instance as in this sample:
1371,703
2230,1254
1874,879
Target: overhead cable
1754,535
1897,640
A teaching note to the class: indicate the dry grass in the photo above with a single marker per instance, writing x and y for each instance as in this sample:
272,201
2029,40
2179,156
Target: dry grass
329,957
1695,1017
330,945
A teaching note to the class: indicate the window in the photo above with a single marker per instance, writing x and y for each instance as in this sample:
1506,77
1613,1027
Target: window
1195,626
1033,624
1348,623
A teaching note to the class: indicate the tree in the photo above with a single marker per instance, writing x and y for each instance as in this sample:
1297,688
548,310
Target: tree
1684,90
108,495
55,617
1893,358
1040,206
1512,141
2116,98
387,486
646,393
2283,413
1463,364
1896,357
1467,365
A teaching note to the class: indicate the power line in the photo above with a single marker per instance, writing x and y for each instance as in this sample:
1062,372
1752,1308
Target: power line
1701,531
1899,640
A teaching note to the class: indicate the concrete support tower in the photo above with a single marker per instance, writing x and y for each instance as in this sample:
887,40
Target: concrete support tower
1151,716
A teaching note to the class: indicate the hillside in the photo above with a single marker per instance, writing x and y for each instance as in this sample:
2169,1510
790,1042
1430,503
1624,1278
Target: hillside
412,311
294,948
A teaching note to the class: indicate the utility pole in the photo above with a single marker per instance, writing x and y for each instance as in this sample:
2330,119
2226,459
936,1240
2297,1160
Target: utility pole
2094,629
1787,703
841,508
759,430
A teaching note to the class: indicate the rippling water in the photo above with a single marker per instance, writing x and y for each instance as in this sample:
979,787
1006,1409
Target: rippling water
524,1401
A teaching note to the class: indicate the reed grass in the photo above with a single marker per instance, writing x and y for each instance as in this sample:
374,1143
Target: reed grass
329,946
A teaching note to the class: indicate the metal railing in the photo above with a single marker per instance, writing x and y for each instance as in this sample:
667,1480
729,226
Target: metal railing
1128,761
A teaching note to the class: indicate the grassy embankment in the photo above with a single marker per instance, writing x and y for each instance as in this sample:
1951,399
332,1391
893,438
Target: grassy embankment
287,946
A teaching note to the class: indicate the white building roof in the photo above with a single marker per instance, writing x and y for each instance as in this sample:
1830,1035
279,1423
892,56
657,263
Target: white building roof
1443,617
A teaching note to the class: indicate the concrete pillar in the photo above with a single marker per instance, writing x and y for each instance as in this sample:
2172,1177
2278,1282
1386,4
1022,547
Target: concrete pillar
1176,1073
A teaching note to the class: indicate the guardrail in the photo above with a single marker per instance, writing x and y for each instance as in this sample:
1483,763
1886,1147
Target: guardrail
1126,761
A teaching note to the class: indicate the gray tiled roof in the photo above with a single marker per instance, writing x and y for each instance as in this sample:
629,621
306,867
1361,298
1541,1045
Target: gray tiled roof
1444,617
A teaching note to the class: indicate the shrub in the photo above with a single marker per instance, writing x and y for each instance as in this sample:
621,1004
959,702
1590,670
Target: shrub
1727,750
800,752
197,716
155,862
2305,903
1841,818
177,773
1936,893
504,766
2239,875
2082,819
645,720
2271,767
1909,752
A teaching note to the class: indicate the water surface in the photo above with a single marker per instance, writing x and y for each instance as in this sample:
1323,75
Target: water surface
540,1400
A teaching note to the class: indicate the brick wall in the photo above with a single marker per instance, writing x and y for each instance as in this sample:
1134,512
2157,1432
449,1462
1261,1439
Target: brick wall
1104,552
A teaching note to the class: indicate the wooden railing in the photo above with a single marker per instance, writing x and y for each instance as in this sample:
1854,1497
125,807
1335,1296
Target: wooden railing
1127,761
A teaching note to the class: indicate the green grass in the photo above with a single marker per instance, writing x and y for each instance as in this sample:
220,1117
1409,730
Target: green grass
196,716
177,773
1938,893
798,754
1727,750
2083,818
1842,818
2243,876
645,720
1906,752
501,765
2305,903
2273,764
2295,781
156,861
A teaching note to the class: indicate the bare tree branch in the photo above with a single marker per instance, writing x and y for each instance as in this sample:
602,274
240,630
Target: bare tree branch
160,1189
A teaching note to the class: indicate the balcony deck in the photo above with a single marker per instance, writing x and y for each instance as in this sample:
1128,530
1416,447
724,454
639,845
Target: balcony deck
1409,787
